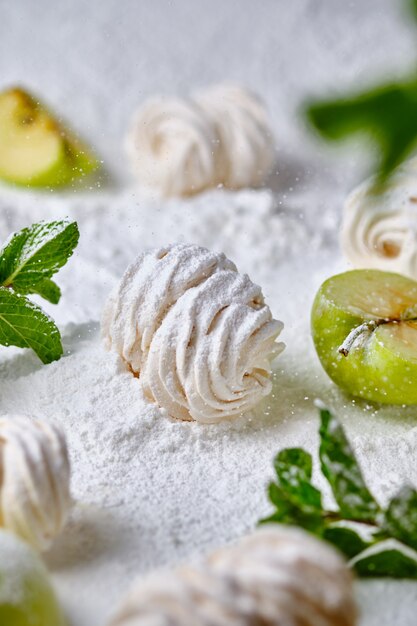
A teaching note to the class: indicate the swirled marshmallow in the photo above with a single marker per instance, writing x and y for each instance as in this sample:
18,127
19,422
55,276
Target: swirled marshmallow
245,136
380,229
276,576
197,333
183,146
173,147
34,480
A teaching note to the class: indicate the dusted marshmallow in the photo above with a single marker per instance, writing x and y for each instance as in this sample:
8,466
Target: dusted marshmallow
35,477
173,147
380,229
245,136
276,576
196,331
220,137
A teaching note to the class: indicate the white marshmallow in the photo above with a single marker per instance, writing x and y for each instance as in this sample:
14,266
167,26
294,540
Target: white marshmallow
197,332
35,475
245,136
183,146
380,229
275,577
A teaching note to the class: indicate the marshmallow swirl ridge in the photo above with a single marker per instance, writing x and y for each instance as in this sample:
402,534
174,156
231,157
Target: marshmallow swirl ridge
182,146
173,147
380,228
35,480
245,136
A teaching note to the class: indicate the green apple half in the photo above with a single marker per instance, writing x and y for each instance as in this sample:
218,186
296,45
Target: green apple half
364,327
35,149
26,595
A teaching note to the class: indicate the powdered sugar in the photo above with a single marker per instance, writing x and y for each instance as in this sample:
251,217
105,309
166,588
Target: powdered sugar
152,491
257,229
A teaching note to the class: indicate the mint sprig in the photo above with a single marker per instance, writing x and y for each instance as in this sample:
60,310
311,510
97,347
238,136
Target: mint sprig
36,253
339,466
28,260
385,113
25,325
378,542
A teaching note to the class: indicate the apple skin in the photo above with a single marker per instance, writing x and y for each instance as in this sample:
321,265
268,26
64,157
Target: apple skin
375,371
26,595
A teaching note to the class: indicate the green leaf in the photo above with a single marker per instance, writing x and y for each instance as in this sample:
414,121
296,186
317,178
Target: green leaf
25,325
386,560
290,512
400,518
48,290
387,114
295,498
294,470
338,464
36,253
413,8
389,545
347,540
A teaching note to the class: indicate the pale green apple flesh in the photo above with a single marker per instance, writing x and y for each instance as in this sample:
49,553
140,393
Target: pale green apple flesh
26,595
36,150
364,327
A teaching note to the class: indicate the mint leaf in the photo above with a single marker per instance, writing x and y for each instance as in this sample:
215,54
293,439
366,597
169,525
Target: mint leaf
386,560
25,325
48,290
294,470
289,511
389,545
347,540
28,260
413,8
295,498
400,519
36,253
387,114
339,465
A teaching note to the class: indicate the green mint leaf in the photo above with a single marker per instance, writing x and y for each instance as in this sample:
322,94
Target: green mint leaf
386,559
347,540
387,114
413,8
291,513
294,467
400,519
25,325
48,290
36,253
339,466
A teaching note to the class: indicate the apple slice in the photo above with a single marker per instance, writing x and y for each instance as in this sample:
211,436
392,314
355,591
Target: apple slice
26,595
364,327
35,150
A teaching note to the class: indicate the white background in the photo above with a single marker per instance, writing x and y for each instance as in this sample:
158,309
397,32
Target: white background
95,61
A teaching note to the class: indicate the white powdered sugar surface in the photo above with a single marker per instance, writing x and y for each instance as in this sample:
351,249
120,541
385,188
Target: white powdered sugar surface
151,491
